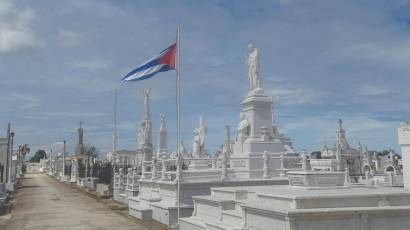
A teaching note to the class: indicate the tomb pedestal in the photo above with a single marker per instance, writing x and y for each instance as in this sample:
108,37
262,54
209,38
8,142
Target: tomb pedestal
262,136
316,179
198,164
11,187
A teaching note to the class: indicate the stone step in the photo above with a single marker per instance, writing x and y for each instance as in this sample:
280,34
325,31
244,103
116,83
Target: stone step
218,225
231,216
140,212
191,223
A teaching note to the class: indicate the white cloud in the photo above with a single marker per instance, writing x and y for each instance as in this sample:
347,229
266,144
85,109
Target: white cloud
95,64
296,96
25,101
68,38
359,127
393,51
371,90
15,31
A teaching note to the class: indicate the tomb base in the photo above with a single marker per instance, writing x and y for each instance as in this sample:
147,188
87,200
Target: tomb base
11,187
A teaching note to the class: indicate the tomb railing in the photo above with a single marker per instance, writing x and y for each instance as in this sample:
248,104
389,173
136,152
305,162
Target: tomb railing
165,169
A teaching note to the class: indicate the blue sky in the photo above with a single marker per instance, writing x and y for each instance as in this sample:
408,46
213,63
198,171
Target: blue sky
321,60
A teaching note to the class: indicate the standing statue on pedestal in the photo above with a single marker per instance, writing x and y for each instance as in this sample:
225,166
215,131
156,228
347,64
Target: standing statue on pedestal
144,133
162,136
144,130
253,72
198,140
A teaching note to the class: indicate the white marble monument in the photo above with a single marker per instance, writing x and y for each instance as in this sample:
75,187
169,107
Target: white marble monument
145,130
257,131
341,156
314,200
162,138
198,147
256,158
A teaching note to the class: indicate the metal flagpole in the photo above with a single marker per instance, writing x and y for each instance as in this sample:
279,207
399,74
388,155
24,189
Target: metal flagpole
114,133
64,160
114,144
178,177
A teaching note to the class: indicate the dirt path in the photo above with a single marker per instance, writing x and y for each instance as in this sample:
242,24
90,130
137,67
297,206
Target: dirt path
44,203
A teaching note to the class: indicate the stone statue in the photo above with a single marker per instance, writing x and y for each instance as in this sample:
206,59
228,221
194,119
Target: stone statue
146,103
162,135
144,129
253,71
305,162
182,147
196,145
141,134
226,148
198,140
162,122
243,128
391,157
144,132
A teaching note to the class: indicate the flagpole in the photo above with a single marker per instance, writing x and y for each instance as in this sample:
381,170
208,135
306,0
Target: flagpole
114,132
179,169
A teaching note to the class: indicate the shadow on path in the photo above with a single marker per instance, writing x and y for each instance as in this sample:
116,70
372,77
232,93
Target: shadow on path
30,186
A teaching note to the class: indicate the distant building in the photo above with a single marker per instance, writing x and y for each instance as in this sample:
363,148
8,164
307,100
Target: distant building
340,156
126,157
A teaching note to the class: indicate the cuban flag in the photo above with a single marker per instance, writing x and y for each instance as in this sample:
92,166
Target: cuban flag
164,61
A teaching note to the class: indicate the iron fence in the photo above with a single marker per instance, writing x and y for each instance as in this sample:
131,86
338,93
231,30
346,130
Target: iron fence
103,171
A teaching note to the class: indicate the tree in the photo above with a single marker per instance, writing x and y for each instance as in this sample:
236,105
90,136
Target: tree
316,154
92,151
40,154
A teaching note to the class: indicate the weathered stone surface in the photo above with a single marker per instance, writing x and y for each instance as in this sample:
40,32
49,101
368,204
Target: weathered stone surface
104,190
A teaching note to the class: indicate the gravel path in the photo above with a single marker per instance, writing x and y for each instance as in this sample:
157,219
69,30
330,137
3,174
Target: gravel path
43,203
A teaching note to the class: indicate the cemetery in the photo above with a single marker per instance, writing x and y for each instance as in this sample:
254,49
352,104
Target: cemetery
256,181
